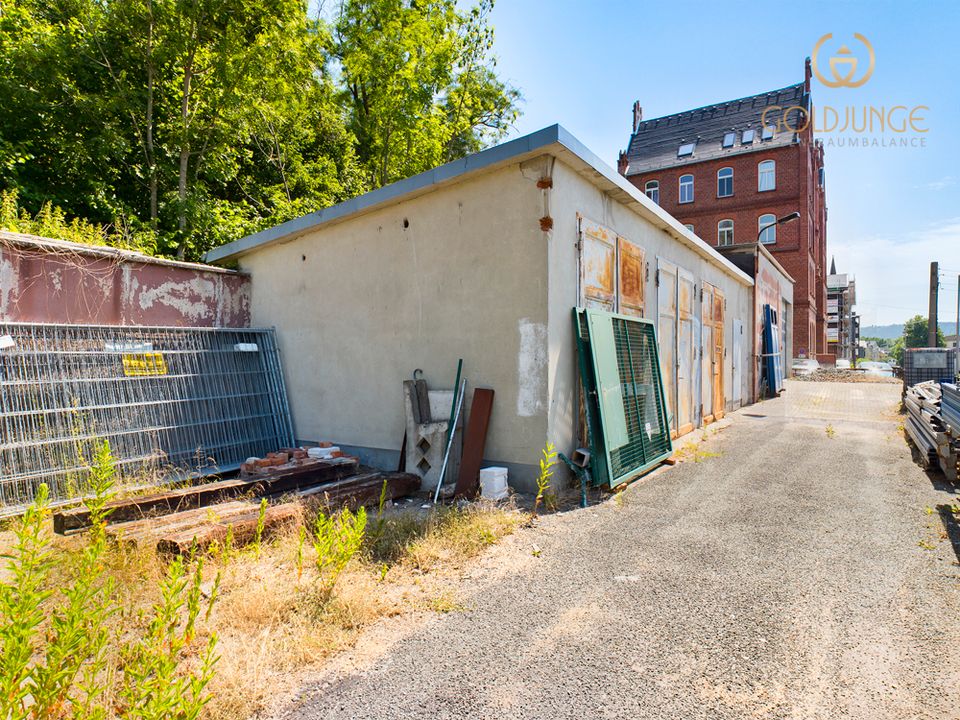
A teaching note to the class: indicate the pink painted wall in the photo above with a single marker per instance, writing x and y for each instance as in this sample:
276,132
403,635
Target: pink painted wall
56,282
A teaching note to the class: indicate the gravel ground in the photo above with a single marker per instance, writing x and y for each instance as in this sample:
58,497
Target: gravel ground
788,576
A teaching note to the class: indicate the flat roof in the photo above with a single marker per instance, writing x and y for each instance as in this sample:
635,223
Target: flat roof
65,247
554,140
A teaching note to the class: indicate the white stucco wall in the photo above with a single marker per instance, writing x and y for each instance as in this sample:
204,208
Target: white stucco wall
572,193
360,304
463,270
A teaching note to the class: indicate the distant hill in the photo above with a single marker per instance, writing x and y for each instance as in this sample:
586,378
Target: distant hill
892,332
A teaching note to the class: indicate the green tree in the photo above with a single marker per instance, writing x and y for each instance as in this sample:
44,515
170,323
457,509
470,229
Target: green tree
189,123
914,335
419,85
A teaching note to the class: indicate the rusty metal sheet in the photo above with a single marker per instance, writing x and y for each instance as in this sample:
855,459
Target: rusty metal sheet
598,256
632,273
54,285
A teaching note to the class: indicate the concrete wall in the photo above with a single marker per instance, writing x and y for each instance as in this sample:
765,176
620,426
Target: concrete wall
774,288
485,269
572,194
459,272
45,281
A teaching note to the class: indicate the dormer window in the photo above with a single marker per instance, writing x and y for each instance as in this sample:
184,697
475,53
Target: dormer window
652,190
728,139
747,137
686,150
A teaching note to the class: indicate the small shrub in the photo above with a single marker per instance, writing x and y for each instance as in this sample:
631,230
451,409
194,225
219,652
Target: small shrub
337,538
544,491
153,685
55,655
261,522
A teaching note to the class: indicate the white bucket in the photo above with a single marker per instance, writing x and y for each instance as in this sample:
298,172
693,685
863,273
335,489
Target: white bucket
322,453
493,483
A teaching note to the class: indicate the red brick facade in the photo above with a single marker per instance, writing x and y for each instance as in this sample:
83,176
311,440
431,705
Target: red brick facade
800,245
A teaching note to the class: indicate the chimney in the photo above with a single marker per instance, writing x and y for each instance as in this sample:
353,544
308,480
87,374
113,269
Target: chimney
622,163
637,115
807,74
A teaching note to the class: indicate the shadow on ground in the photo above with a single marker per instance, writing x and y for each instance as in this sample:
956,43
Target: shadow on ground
951,525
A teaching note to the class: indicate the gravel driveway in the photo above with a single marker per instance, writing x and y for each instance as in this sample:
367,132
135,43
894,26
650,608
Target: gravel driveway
788,576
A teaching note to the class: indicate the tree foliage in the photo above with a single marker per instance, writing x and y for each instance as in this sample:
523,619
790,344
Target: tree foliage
198,121
914,336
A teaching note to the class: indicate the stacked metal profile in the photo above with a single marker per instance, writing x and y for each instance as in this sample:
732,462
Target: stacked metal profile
935,437
170,401
950,407
625,407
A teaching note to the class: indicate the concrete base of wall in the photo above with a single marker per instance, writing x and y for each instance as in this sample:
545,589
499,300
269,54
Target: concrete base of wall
522,476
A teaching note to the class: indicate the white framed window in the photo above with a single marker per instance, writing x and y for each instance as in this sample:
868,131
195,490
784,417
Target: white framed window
686,150
767,229
725,232
728,139
724,182
686,188
747,137
652,190
766,133
766,176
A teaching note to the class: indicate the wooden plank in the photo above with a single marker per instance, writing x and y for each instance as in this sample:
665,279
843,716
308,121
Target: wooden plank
137,530
351,492
273,482
474,441
244,529
363,489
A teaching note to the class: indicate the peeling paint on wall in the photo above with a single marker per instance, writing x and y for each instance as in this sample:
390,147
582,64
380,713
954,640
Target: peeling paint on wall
192,299
9,283
38,284
532,369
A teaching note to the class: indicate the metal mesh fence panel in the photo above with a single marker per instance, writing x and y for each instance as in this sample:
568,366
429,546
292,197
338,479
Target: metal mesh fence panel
647,427
629,350
170,401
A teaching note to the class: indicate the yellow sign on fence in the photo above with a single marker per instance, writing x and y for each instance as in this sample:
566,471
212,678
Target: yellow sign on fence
144,364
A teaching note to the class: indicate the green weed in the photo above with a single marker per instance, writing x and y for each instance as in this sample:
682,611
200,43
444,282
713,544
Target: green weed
337,538
545,492
55,646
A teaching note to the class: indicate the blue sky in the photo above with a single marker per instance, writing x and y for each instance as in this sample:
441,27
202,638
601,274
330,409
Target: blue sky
891,210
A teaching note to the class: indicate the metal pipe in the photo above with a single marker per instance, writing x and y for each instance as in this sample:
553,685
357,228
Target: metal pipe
451,431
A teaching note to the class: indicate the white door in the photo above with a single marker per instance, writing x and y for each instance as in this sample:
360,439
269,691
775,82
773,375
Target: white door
687,353
735,392
706,348
667,334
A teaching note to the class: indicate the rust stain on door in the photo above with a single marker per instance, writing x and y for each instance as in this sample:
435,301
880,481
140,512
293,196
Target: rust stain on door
598,254
631,277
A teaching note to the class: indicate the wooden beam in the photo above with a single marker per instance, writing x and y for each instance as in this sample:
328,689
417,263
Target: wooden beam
195,496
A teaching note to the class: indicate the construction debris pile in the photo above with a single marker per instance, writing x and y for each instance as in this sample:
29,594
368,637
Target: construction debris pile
933,424
845,376
267,496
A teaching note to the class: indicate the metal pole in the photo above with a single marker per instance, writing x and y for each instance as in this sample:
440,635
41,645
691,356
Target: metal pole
451,432
932,313
958,313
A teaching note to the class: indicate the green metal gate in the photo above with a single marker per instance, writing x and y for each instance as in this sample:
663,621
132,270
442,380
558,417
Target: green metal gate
623,389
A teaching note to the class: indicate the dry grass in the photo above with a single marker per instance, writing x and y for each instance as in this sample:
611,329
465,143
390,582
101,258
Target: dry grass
273,625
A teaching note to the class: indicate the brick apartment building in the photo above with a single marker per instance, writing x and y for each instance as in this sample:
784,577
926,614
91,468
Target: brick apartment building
725,175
